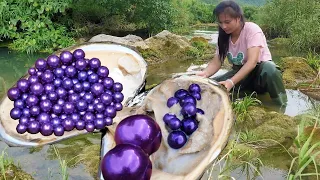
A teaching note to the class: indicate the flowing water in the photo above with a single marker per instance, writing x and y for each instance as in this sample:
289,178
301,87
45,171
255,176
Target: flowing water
83,151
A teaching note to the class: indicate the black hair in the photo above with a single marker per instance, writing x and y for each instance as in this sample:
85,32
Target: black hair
233,9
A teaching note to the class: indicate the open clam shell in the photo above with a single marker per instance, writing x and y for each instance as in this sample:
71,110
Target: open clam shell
202,147
125,66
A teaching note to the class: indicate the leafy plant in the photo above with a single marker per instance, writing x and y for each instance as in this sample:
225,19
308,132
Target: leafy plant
5,162
240,106
313,59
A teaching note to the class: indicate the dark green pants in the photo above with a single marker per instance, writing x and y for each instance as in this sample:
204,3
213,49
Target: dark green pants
266,77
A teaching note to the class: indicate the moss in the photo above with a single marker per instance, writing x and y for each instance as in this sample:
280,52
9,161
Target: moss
13,172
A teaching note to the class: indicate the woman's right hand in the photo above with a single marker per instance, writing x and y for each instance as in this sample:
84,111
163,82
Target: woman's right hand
202,74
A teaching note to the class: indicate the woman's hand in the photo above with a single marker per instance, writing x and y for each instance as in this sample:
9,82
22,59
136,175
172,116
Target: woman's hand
202,74
228,84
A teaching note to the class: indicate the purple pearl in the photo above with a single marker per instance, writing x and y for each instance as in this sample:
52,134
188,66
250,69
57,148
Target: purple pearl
188,99
194,88
82,113
118,97
53,116
172,101
53,61
15,113
24,96
180,93
21,128
196,95
71,91
75,81
55,122
13,93
26,112
75,117
61,102
108,121
49,88
81,105
68,108
45,105
99,107
88,97
110,111
19,104
78,87
90,127
97,89
82,94
58,72
33,127
61,92
99,123
32,100
117,87
80,125
43,118
167,117
57,109
99,115
57,82
96,101
66,57
78,54
90,72
174,123
37,88
86,86
39,73
90,108
68,124
43,97
82,76
103,71
189,125
176,139
58,131
200,111
52,96
70,71
23,85
88,117
67,83
189,109
93,78
108,92
94,63
34,110
106,98
41,64
74,98
24,120
64,67
33,79
118,106
81,64
46,129
47,77
32,71
63,116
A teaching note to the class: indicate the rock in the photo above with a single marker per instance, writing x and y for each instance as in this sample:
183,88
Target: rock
129,40
296,71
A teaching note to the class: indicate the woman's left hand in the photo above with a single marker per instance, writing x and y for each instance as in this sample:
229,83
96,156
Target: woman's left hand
227,84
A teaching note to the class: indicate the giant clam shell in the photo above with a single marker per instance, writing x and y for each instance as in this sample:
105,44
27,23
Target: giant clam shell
125,65
202,147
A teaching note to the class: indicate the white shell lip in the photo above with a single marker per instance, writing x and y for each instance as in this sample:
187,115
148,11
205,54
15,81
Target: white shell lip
109,54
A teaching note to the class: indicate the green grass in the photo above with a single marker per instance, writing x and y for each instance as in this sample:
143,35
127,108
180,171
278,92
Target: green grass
5,162
313,59
63,165
240,106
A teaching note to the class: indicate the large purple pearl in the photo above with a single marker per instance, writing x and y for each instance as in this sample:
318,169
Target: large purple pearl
24,96
90,127
118,106
70,71
90,108
118,97
58,72
52,96
43,118
99,107
61,102
55,121
93,78
180,93
61,93
106,98
126,161
67,83
82,76
43,97
78,54
24,120
48,88
188,99
37,88
13,93
35,110
74,98
174,123
176,139
32,71
56,109
18,104
108,121
194,88
117,87
81,105
110,111
57,82
99,123
68,108
86,86
32,100
33,127
58,131
88,97
46,129
78,87
23,85
45,105
26,112
68,124
53,61
80,125
103,71
41,64
94,63
21,128
108,82
15,113
33,79
97,89
81,64
189,125
47,77
88,117
66,57
75,117
196,95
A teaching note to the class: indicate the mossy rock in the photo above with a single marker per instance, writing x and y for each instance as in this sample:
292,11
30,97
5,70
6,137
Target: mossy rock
296,71
13,172
240,152
254,118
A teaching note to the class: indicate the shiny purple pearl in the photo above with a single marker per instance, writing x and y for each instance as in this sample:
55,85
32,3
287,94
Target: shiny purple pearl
57,109
108,82
67,84
39,73
82,76
99,115
118,106
80,125
58,131
189,125
15,113
174,123
21,128
23,85
55,122
18,104
172,101
46,129
88,97
90,108
24,96
167,117
68,108
82,113
63,116
78,87
66,57
71,91
68,124
70,71
75,117
118,97
96,101
33,79
108,121
33,127
93,78
99,107
61,102
64,67
94,63
24,120
81,105
37,88
200,111
78,54
52,96
82,94
177,139
110,111
43,97
86,86
90,72
99,123
90,127
32,71
180,93
88,117
46,105
32,100
117,87
106,98
194,88
47,77
57,82
75,81
61,93
26,112
74,98
196,95
97,89
43,118
53,61
13,93
35,110
188,99
53,116
58,72
189,109
103,71
49,88
81,64
41,64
